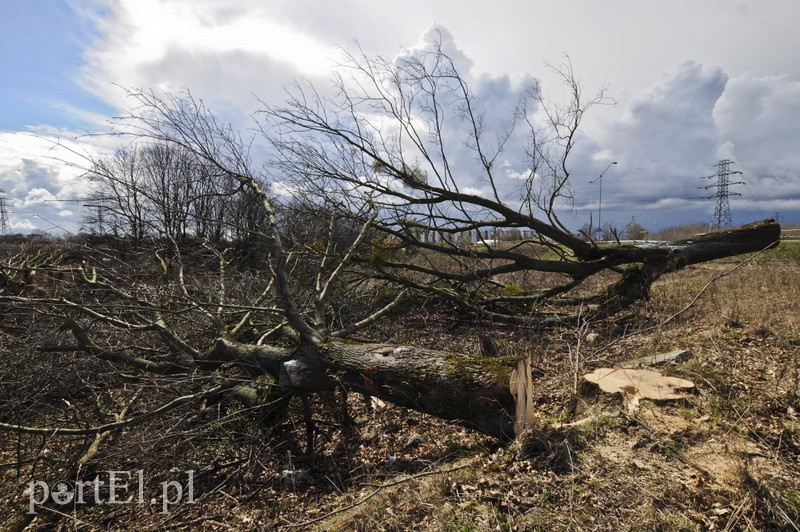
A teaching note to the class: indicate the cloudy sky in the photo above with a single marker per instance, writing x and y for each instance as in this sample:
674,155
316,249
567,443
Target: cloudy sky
695,81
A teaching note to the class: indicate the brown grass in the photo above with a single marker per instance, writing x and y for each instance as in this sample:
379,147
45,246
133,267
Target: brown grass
725,458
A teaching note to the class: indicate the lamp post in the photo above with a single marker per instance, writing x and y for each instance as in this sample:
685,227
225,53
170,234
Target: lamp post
600,209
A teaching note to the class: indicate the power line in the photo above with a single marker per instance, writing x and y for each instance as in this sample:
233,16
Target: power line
754,208
722,211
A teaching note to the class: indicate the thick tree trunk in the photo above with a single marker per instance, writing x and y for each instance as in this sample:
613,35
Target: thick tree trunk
704,247
648,262
471,390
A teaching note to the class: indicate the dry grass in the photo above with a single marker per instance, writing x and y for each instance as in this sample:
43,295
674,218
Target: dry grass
725,458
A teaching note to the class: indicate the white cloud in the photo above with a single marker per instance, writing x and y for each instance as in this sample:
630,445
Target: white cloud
437,36
22,225
227,50
495,99
39,171
35,196
220,50
760,120
474,191
675,204
673,121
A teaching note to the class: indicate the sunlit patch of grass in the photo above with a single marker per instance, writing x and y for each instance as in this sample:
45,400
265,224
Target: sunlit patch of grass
787,250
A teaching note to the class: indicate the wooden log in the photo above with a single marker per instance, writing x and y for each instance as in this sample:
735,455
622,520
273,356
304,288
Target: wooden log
473,391
676,355
469,390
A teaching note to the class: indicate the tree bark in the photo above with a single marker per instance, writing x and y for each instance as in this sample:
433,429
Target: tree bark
471,390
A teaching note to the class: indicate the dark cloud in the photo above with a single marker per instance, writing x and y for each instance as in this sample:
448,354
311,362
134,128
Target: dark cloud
674,133
673,122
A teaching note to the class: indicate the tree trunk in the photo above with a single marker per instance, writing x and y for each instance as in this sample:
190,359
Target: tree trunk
471,390
648,262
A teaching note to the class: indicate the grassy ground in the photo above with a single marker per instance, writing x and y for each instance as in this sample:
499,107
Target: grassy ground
724,458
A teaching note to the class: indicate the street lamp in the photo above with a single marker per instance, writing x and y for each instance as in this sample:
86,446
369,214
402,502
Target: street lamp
600,210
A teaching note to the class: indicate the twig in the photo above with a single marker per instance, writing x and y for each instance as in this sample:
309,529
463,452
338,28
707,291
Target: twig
378,489
60,431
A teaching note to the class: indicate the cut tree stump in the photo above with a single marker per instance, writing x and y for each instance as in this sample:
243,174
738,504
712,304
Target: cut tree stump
521,385
636,384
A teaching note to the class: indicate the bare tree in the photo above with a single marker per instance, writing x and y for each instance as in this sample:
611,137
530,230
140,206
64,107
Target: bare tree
118,205
158,189
376,161
394,138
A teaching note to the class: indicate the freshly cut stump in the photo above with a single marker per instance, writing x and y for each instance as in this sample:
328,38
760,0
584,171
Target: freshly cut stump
636,384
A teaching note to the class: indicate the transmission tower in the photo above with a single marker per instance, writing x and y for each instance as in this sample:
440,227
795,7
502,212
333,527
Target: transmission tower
722,212
3,213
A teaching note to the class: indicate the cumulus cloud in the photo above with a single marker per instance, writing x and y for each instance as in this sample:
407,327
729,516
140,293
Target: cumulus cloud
673,121
223,51
439,37
35,196
665,138
759,118
226,51
673,134
40,173
21,225
496,104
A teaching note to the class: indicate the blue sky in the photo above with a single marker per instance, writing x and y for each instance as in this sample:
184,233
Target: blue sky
41,52
695,82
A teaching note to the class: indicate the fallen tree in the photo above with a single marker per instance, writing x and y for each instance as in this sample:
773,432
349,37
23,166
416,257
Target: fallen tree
290,316
486,393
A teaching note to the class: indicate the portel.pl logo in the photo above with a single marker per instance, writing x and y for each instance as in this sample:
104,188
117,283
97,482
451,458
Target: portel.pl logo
112,487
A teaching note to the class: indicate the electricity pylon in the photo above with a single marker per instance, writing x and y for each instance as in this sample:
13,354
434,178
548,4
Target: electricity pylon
3,213
722,212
